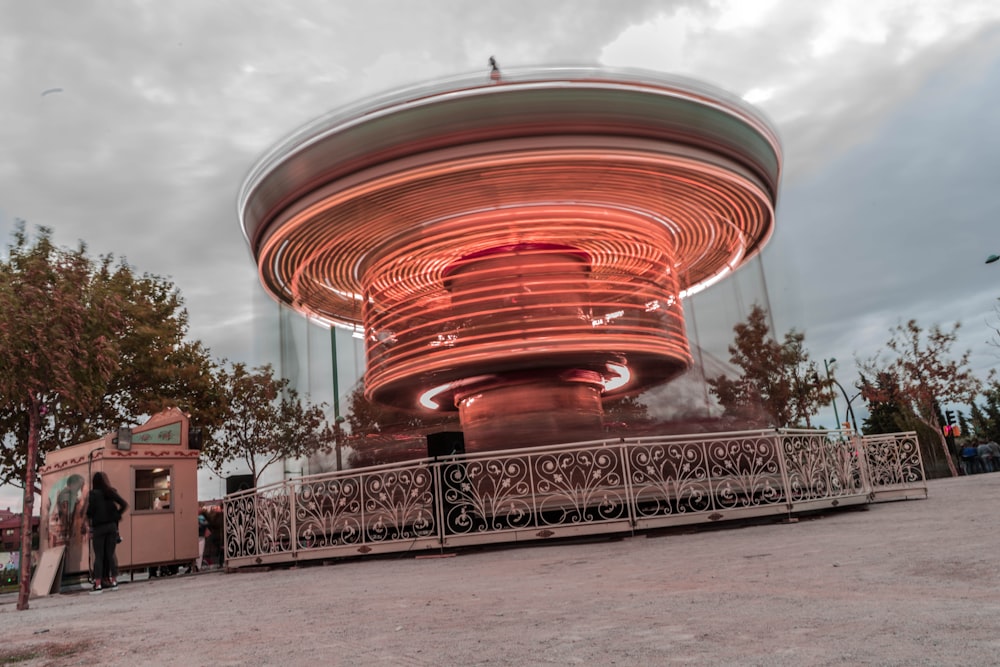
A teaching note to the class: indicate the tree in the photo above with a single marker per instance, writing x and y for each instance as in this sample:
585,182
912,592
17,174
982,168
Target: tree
366,417
985,420
155,367
60,323
779,385
627,410
86,347
924,375
885,405
263,421
995,325
384,434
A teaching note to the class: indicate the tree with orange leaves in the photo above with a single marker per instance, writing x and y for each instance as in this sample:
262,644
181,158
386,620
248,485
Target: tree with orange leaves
925,375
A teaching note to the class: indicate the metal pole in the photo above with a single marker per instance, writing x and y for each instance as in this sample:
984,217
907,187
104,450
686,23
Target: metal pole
829,376
336,399
850,410
693,319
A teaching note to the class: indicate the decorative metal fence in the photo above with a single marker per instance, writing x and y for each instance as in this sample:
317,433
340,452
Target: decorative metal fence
618,486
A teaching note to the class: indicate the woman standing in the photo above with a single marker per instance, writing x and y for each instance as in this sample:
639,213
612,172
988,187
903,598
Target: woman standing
104,509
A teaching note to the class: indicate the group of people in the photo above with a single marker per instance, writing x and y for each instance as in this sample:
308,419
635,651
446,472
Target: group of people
984,457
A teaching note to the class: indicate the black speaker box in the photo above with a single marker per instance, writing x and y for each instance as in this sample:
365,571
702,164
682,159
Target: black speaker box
445,443
235,483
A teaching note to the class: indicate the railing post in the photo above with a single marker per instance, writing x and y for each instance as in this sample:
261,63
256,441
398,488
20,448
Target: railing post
225,529
438,496
294,533
625,453
256,521
920,458
783,467
530,463
867,487
706,456
362,481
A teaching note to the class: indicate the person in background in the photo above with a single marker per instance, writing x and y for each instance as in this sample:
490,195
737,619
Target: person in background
970,459
985,457
104,510
203,533
995,451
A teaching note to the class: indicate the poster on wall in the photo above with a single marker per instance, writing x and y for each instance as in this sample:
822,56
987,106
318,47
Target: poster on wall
66,508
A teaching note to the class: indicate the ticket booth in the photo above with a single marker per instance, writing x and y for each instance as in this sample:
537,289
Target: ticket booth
155,469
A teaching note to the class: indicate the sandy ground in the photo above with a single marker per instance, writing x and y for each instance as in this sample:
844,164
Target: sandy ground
905,583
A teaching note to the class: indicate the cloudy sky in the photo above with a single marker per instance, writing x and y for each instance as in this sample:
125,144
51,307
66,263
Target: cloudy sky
130,125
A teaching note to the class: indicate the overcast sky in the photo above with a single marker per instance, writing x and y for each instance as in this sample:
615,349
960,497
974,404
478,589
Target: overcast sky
131,125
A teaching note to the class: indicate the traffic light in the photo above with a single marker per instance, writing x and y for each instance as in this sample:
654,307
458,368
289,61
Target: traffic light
946,430
949,417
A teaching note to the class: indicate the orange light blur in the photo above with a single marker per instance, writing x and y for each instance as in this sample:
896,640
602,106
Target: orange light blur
517,239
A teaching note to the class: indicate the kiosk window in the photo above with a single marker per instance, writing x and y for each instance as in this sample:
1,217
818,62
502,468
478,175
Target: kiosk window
152,489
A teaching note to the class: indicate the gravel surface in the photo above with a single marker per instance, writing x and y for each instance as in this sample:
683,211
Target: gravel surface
903,583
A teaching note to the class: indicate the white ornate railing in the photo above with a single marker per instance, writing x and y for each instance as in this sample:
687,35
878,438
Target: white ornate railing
607,486
894,465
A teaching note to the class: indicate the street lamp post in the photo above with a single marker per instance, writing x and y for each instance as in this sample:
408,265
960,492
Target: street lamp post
338,435
338,419
854,421
850,410
827,363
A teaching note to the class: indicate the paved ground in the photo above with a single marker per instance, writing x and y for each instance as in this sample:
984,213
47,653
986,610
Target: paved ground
905,583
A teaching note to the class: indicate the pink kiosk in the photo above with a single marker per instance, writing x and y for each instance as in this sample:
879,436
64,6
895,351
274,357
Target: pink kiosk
155,469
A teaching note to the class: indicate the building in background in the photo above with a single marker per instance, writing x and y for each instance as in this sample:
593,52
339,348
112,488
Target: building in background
10,547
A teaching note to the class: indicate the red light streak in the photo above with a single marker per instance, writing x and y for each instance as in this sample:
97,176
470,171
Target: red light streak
537,245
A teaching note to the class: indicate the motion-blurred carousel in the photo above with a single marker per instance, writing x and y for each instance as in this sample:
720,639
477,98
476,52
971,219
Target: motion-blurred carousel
516,247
